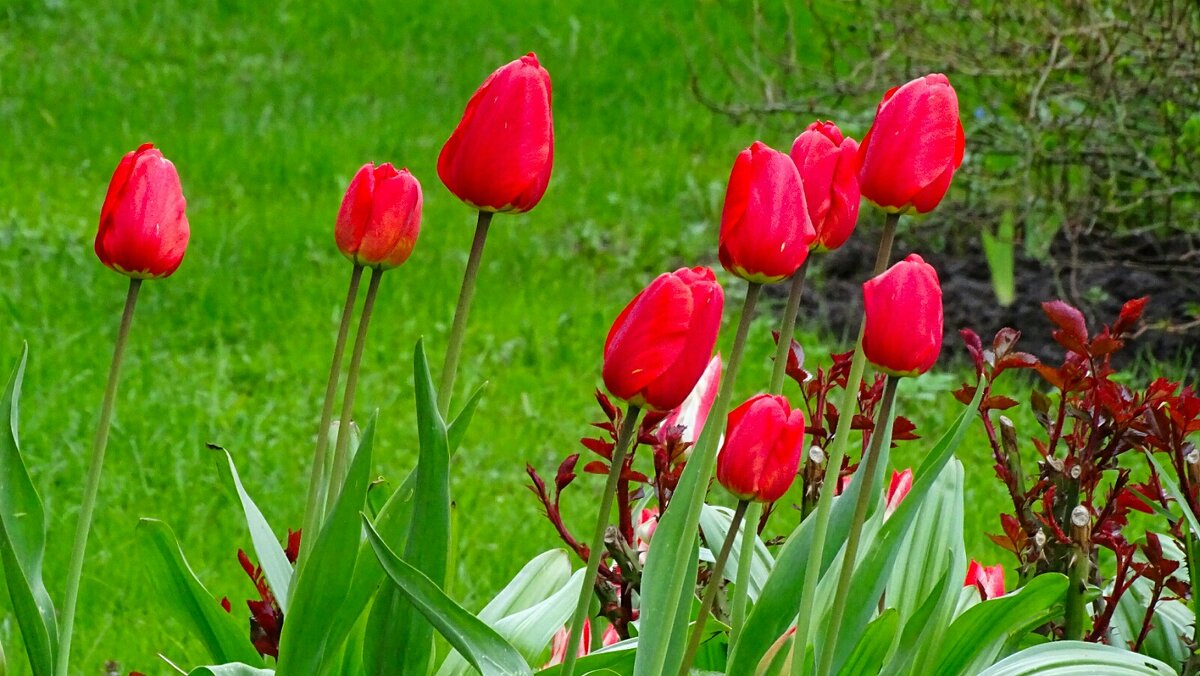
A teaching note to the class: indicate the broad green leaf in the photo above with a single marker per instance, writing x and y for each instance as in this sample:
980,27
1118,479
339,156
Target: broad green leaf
1063,658
1173,491
23,538
310,639
714,523
874,568
615,659
176,586
870,652
271,557
234,669
398,637
484,648
529,629
1172,622
975,639
537,581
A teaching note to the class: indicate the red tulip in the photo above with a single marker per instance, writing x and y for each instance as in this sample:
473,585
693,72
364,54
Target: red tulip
693,412
499,157
903,307
143,223
661,343
765,229
909,155
764,440
899,487
988,579
828,165
380,217
558,644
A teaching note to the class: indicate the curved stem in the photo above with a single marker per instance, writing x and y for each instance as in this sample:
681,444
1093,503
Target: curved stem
837,451
865,497
92,487
341,451
314,510
714,584
596,547
458,329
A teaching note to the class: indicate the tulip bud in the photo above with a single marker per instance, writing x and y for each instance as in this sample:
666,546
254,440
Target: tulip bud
903,308
765,229
909,155
558,644
661,343
899,487
763,443
380,217
693,412
988,579
143,224
499,157
828,166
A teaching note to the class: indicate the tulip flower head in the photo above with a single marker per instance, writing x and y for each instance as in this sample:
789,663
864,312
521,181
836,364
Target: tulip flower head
765,228
910,154
693,412
380,217
903,308
764,442
989,580
143,224
828,166
899,487
500,155
661,343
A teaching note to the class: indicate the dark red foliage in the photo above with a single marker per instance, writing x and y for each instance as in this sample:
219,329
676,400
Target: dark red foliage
266,617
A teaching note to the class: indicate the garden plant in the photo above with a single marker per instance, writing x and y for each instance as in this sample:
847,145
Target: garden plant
672,575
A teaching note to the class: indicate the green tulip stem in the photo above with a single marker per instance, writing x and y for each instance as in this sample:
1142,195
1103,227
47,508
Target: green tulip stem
92,488
716,575
787,328
314,510
458,329
836,452
341,451
625,437
883,421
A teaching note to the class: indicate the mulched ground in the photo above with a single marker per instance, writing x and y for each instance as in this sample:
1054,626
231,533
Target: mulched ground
1097,277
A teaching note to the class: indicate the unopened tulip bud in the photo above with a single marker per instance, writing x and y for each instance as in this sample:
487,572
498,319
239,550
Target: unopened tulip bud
828,166
989,580
143,224
764,442
380,217
903,308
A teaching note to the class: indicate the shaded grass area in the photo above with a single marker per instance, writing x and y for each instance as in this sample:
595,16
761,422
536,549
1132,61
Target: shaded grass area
267,112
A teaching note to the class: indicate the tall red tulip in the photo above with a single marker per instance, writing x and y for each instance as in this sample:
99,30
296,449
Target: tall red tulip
903,308
380,217
500,155
143,223
914,146
662,341
765,229
764,441
989,580
828,165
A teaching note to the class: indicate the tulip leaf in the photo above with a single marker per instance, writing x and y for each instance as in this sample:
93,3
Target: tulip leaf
537,581
176,585
874,569
869,654
977,636
1077,657
614,659
274,562
398,637
486,650
310,640
1169,630
714,523
231,669
23,538
456,431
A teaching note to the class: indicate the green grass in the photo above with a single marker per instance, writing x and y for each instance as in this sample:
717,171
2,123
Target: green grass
267,113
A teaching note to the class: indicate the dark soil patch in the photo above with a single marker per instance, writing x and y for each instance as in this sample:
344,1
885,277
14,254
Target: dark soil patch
1097,277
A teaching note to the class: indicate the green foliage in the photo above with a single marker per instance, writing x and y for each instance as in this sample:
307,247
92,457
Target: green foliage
274,562
23,537
1074,657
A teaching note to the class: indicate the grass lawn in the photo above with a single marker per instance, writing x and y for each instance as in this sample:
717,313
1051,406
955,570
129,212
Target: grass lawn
267,112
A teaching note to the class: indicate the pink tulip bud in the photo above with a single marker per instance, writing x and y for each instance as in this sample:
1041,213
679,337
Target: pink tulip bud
693,412
912,150
988,579
143,224
500,156
380,217
899,487
903,308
